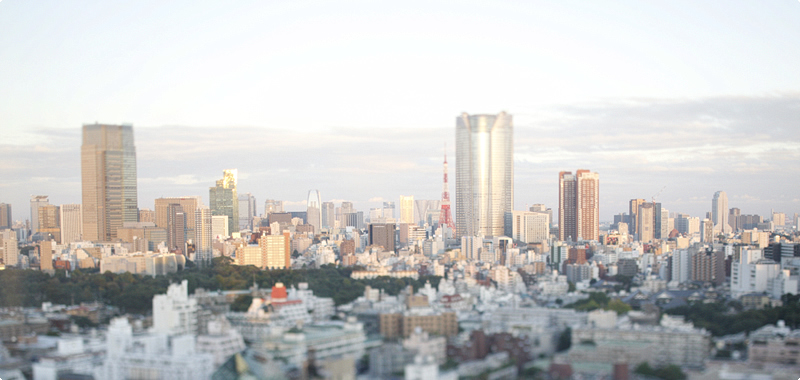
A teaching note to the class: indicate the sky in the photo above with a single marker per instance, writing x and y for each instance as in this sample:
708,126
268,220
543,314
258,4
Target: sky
672,100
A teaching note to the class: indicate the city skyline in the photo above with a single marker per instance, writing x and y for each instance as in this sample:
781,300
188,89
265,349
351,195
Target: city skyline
614,87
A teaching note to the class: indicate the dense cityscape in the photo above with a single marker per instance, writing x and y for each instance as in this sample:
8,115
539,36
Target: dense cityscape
415,190
415,289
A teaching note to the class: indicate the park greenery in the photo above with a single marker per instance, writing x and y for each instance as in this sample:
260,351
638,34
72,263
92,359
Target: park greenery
730,318
599,300
134,293
668,372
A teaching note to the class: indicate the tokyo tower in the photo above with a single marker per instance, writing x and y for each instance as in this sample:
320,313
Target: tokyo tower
445,218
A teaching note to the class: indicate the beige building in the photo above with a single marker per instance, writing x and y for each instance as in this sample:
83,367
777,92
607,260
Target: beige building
71,223
189,205
407,209
46,256
396,324
108,180
147,215
645,221
49,222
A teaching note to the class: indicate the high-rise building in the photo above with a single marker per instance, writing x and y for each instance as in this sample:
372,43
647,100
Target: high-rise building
223,199
484,173
189,206
176,228
407,209
719,212
204,236
275,251
646,222
382,234
567,207
633,220
46,255
49,222
247,210
328,215
10,247
5,216
661,220
734,220
36,202
579,206
71,223
108,178
314,210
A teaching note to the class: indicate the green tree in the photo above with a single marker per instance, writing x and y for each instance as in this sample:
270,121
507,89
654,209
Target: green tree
565,340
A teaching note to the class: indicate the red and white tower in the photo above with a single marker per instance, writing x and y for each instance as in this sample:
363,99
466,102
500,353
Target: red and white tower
445,218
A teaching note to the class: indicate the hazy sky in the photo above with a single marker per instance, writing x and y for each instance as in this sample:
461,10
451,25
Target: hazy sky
358,98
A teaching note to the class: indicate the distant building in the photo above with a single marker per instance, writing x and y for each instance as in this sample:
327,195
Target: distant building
719,213
247,210
6,220
528,226
175,313
223,199
314,210
382,234
579,206
49,222
71,223
108,171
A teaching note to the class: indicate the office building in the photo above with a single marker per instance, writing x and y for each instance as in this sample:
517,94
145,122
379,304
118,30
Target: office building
528,226
10,247
328,215
579,206
219,226
407,209
46,256
382,234
484,173
71,223
271,206
108,178
247,210
176,228
49,221
275,251
189,207
633,220
734,219
223,199
314,210
660,222
645,219
36,202
204,236
719,213
5,216
147,215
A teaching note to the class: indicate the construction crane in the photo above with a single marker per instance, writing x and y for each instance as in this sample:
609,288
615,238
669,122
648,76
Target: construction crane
653,198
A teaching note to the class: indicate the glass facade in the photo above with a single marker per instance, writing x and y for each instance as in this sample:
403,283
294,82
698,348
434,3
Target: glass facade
484,173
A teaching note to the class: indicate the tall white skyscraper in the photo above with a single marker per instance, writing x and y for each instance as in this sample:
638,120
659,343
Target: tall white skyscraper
71,223
484,173
314,210
719,213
